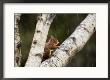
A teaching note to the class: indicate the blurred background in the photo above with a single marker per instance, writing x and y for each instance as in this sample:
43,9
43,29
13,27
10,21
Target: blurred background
62,27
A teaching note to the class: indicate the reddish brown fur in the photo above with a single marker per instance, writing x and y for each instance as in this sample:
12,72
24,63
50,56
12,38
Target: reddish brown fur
50,45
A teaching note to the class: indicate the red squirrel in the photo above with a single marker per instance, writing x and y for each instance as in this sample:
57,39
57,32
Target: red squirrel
50,46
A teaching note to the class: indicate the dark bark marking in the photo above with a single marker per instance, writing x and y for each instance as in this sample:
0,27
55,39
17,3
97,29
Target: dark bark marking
40,55
17,21
81,26
94,29
48,23
38,31
58,58
35,42
40,17
65,50
17,60
85,29
55,65
18,45
51,17
73,38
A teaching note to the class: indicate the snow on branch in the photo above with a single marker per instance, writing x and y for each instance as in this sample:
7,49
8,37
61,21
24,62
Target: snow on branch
74,43
39,39
17,54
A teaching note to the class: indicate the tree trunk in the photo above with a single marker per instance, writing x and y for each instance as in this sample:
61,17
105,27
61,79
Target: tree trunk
17,56
74,43
39,39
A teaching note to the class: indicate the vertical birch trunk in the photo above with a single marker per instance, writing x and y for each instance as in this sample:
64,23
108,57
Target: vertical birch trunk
17,44
39,39
74,43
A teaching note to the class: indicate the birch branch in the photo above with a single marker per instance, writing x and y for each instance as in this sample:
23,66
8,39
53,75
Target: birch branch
17,54
39,39
74,43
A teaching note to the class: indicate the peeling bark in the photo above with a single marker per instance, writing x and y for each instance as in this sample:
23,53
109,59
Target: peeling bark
17,54
39,39
74,43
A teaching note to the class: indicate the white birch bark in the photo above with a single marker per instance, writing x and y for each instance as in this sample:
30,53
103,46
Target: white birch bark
74,43
17,54
39,39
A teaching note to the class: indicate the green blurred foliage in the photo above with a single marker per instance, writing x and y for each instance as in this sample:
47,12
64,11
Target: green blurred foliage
62,27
